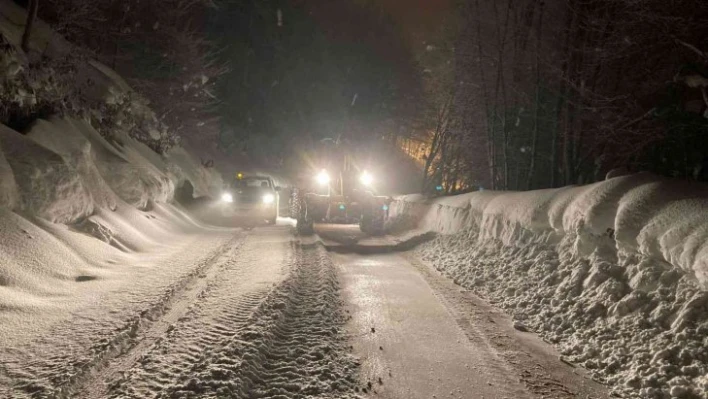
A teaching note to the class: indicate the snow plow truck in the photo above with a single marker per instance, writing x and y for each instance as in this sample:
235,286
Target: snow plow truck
333,188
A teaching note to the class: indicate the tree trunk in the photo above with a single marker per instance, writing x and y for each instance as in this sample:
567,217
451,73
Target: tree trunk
501,89
438,139
567,142
31,16
562,96
577,127
534,136
491,150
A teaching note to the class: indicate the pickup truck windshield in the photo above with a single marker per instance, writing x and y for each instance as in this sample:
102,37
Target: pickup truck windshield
252,183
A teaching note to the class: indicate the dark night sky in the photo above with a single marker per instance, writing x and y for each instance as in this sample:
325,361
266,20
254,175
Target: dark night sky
412,19
299,79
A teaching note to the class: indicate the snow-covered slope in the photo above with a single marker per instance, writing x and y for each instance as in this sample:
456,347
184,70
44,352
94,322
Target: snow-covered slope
62,170
88,224
183,167
615,273
67,192
49,186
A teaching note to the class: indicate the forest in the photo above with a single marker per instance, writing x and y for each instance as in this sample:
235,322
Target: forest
512,94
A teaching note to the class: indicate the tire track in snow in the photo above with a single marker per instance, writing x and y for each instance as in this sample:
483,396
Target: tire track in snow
165,363
62,374
58,376
224,307
292,346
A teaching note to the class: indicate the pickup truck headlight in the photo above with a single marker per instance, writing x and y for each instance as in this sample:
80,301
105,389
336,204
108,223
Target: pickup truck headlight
227,197
268,199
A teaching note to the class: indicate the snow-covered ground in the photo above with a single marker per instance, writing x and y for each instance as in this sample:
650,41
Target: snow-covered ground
110,289
89,241
214,314
75,201
614,273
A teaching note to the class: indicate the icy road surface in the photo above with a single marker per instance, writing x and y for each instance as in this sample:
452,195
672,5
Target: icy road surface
418,335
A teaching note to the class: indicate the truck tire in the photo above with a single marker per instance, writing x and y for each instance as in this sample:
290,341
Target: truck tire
305,226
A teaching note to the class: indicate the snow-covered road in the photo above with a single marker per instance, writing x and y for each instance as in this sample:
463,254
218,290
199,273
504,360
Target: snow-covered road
242,314
262,313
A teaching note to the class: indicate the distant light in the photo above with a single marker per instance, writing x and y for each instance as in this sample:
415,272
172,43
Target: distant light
366,178
268,199
227,197
342,207
385,207
323,177
239,175
438,188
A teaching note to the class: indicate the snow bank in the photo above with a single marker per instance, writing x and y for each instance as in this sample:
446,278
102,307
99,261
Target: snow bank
82,217
9,196
48,185
63,178
206,182
100,169
125,167
614,272
638,214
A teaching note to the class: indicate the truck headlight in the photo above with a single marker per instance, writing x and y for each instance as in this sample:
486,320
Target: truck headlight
268,199
366,178
323,177
227,197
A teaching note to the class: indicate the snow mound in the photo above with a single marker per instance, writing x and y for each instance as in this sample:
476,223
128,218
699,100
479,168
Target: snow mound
616,172
205,182
9,196
640,214
615,273
65,192
63,138
49,186
126,166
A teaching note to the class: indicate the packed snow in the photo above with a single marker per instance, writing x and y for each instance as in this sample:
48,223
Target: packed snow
109,289
614,273
86,224
292,346
63,189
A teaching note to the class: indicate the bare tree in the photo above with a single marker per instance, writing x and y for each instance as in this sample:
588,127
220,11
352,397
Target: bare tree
537,100
439,142
160,47
31,16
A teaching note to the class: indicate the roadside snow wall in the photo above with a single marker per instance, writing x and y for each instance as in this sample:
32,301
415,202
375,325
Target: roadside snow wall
66,191
615,273
206,182
63,171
